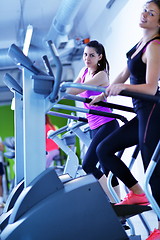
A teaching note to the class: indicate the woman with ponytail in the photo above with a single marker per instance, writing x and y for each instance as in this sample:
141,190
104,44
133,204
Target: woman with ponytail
96,73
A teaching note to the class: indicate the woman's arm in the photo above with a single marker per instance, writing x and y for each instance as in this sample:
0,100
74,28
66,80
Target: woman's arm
122,77
114,88
118,84
99,79
152,59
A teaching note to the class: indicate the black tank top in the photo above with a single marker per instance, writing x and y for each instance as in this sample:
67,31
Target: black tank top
137,68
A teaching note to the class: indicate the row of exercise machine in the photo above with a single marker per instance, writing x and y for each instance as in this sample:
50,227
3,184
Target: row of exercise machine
44,205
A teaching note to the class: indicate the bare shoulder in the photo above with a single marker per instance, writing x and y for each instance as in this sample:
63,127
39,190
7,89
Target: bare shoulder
155,44
153,49
102,78
102,74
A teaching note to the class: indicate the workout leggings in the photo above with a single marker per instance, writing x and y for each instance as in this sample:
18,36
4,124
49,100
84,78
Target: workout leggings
91,159
144,130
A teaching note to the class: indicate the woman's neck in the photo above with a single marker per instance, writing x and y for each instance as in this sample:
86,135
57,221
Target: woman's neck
148,35
91,71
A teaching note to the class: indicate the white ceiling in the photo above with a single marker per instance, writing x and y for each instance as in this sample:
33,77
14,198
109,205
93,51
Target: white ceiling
16,15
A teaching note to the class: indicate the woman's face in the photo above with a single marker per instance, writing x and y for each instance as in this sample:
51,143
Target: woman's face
91,57
150,16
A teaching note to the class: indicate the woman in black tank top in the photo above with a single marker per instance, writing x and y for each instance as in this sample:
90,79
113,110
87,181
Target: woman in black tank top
143,69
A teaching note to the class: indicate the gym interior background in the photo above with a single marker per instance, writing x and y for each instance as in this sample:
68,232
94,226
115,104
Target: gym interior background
115,26
113,23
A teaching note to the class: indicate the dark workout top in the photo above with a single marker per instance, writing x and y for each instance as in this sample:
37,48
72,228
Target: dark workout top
137,69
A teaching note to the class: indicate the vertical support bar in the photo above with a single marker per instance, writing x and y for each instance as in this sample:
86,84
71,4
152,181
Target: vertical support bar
18,126
34,130
150,169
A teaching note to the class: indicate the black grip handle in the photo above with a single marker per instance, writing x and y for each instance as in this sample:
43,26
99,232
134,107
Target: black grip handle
111,105
142,96
101,103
